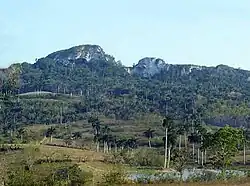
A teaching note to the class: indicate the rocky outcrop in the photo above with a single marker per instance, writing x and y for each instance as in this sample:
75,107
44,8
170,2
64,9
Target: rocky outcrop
149,66
86,52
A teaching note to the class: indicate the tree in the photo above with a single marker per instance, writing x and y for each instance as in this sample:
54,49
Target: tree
224,145
180,159
246,138
77,135
194,138
168,126
105,135
246,135
96,126
180,131
21,132
131,143
149,134
202,132
50,132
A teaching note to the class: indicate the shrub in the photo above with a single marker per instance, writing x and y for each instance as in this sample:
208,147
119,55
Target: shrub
115,158
140,157
115,176
146,157
72,175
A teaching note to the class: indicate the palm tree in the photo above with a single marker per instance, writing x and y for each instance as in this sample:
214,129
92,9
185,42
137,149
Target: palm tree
180,131
168,125
186,131
202,132
149,134
50,132
115,142
171,142
96,126
246,134
21,132
105,137
110,142
77,135
131,143
121,143
194,138
97,139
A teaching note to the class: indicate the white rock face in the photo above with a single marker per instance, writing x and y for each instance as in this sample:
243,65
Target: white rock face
148,66
128,69
86,52
194,67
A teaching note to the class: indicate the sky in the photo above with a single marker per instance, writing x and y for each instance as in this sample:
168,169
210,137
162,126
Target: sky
201,32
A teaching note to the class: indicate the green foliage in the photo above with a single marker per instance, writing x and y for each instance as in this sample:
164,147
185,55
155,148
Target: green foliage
22,177
72,175
140,157
180,159
102,85
225,144
115,176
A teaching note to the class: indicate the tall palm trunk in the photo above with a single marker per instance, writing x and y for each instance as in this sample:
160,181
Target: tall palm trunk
109,148
104,150
166,147
180,143
169,149
244,154
11,133
202,158
193,142
115,148
202,152
185,139
97,146
149,142
205,156
193,151
198,155
106,147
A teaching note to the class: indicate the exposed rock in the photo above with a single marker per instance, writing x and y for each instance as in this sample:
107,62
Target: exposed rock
86,52
149,66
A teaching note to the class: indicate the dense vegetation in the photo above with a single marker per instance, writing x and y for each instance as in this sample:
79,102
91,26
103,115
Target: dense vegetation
96,83
95,99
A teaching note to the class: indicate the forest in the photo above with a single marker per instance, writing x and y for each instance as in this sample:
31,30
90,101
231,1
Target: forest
62,108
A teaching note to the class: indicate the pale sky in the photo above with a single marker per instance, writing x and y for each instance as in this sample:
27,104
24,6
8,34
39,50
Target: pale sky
203,32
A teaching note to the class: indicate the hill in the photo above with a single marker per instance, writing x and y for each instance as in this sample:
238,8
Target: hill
84,80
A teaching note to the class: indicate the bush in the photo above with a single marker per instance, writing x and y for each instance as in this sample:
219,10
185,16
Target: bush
72,175
141,157
115,158
115,176
146,157
22,177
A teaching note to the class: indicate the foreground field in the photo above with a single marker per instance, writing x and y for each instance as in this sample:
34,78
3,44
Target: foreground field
239,183
62,154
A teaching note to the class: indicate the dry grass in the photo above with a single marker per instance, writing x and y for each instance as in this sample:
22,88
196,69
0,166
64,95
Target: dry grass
39,127
74,154
95,165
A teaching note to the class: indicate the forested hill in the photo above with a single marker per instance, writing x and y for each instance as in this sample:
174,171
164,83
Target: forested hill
217,95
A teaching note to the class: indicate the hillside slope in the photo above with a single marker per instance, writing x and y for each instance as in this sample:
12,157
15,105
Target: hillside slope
105,86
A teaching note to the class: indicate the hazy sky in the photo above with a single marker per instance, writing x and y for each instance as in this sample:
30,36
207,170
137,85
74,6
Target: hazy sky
204,32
